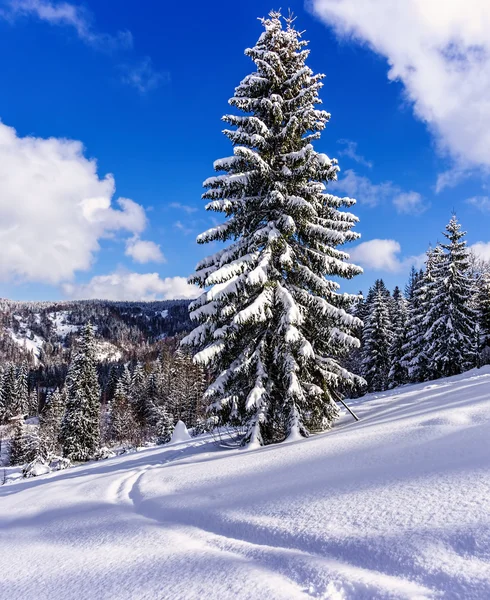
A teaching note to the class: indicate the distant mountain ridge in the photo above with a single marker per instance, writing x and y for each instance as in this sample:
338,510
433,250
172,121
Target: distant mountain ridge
43,332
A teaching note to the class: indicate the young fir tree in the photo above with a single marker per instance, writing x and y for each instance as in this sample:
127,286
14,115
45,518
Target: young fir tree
415,329
164,426
24,445
123,425
272,325
377,338
450,336
427,293
22,389
483,315
80,432
10,392
398,374
50,423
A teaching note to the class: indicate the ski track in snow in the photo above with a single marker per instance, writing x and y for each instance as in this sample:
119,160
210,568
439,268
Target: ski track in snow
394,506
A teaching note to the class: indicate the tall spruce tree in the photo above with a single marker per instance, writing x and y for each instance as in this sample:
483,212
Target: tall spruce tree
415,329
450,336
377,338
80,432
483,315
272,326
398,374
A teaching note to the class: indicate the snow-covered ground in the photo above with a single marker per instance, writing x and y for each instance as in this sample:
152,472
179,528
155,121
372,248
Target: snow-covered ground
395,506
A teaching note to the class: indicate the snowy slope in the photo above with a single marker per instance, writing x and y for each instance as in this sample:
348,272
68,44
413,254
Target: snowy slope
395,506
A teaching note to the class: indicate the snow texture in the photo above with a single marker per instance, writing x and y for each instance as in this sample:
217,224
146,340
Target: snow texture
396,505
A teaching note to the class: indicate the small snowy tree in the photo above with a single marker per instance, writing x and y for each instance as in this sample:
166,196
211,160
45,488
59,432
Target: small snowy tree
272,325
451,319
80,432
164,426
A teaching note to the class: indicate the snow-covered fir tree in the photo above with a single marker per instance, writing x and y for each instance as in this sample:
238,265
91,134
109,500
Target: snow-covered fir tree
23,389
398,374
10,392
451,319
483,316
80,432
377,338
24,445
415,329
272,325
123,425
50,423
164,426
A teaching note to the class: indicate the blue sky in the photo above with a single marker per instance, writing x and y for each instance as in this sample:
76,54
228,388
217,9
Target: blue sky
143,87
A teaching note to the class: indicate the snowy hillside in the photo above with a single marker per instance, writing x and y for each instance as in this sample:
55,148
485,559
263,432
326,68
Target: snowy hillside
394,506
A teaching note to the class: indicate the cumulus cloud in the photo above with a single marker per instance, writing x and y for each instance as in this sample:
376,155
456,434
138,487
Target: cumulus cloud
143,76
383,255
482,203
410,203
441,54
350,150
68,15
481,250
143,251
54,208
125,285
371,194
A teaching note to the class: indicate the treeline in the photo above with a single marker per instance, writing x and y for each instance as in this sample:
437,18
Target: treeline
439,327
138,404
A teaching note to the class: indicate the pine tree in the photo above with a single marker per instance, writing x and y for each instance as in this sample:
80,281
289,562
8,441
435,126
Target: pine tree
24,445
415,329
10,392
272,327
164,426
398,374
50,423
80,432
450,337
377,338
22,394
123,426
483,316
427,298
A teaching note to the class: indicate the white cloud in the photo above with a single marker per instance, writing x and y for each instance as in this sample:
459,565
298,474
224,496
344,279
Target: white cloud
143,76
371,194
440,51
143,251
410,203
181,227
482,250
185,207
363,189
68,15
350,150
482,203
125,285
54,208
383,255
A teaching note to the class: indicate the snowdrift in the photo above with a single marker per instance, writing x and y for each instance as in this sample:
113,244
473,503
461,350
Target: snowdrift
394,506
